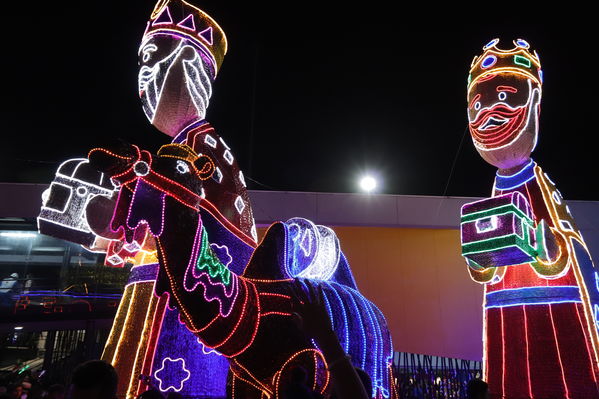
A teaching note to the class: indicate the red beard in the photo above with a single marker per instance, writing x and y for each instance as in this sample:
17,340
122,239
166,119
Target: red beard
499,135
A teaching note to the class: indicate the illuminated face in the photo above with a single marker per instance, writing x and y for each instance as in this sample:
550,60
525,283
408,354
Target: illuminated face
174,82
503,111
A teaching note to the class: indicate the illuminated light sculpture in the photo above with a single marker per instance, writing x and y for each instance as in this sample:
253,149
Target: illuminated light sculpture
169,367
64,203
180,54
181,45
244,316
540,324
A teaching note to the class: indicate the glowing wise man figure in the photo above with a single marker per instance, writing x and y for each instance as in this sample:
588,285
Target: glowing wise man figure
180,54
541,300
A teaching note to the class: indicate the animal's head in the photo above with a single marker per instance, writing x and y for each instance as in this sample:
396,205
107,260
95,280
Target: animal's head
504,95
147,180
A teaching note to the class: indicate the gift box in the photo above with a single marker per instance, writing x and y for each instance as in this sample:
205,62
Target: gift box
498,231
63,211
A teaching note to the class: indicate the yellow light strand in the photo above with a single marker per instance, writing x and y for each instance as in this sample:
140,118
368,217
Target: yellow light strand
142,345
121,314
546,192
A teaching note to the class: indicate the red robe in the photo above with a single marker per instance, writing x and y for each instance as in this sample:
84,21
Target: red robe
539,318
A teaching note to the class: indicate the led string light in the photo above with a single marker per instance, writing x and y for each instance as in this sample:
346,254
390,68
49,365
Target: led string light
561,252
120,314
151,80
517,115
141,347
189,320
359,321
570,236
292,358
157,323
204,140
246,318
128,315
343,313
201,253
260,386
71,212
207,35
505,182
208,260
195,70
241,318
559,356
589,350
168,386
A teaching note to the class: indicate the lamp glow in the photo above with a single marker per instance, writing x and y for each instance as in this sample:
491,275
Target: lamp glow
368,183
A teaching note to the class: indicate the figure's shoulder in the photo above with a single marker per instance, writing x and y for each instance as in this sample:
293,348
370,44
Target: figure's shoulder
226,189
559,211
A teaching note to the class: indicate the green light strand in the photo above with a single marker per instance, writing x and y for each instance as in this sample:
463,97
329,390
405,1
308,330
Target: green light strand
498,211
208,260
522,61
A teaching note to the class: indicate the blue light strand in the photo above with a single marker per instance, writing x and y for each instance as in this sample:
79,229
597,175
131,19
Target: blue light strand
361,325
510,182
328,306
384,371
355,312
542,295
488,62
379,355
346,327
373,374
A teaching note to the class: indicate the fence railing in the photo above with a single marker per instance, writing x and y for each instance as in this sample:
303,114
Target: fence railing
424,376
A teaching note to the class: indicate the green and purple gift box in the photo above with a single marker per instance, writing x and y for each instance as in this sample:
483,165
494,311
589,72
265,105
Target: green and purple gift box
499,231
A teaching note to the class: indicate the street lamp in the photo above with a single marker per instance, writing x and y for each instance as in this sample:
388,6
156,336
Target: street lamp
367,184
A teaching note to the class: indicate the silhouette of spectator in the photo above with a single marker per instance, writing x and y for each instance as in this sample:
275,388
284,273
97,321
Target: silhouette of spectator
365,378
56,391
174,395
313,318
478,389
94,379
298,385
151,394
15,391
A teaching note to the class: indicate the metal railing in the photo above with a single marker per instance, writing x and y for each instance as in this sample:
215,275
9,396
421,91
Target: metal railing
424,376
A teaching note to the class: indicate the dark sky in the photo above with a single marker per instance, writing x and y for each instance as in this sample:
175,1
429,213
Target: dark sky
331,90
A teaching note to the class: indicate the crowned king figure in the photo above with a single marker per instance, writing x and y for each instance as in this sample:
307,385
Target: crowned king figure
541,300
180,55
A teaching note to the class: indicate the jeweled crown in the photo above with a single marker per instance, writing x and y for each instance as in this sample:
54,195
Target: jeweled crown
518,60
179,18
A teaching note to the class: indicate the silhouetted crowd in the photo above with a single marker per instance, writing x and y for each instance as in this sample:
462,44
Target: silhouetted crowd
96,379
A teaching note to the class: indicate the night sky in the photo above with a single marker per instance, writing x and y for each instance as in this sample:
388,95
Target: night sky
310,95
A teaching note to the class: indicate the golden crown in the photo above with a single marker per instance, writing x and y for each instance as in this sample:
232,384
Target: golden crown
179,18
518,60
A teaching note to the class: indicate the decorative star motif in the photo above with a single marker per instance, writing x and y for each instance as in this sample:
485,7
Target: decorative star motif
172,374
222,253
